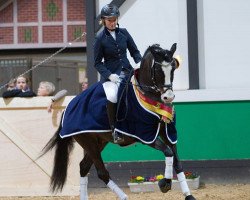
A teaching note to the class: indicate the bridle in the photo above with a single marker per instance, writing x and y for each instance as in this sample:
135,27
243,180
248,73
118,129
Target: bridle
147,88
156,88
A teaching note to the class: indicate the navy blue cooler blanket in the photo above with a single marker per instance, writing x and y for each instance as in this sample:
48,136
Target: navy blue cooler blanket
87,113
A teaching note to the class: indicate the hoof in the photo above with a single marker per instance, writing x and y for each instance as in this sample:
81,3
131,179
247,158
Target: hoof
165,185
190,197
125,198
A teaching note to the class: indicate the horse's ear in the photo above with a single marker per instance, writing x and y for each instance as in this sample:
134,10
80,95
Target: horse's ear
173,48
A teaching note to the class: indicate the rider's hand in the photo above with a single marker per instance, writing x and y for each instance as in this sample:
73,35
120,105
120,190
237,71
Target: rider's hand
50,106
114,78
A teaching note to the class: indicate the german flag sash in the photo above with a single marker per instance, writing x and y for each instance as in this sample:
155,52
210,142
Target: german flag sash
165,110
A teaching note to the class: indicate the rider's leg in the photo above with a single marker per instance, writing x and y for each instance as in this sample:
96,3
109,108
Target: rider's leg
111,90
111,111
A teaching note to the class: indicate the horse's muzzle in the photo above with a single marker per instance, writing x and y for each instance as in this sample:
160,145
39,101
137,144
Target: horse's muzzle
168,96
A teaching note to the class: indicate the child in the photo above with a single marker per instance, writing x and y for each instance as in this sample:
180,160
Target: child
21,90
11,84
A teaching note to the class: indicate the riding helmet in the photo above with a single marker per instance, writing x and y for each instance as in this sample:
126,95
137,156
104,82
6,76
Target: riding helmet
110,10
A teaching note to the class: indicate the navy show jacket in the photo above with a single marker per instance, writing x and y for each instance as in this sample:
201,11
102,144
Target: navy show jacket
111,55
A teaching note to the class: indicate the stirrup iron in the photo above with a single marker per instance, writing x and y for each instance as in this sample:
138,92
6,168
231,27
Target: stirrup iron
118,138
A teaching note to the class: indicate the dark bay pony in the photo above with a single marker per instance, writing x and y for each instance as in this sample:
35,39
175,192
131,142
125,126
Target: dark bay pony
154,81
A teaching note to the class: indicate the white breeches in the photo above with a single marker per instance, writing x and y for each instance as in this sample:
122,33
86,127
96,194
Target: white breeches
111,90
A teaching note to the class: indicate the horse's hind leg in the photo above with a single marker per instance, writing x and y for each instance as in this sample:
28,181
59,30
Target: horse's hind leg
85,166
181,176
93,147
103,174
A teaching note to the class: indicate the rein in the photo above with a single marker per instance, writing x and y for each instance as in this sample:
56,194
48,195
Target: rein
154,87
127,82
158,107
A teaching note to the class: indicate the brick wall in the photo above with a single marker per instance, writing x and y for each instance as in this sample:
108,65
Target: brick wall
27,11
6,35
75,10
52,34
6,15
52,11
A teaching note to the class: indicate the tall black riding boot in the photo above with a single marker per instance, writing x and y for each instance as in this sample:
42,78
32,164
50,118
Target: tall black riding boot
111,111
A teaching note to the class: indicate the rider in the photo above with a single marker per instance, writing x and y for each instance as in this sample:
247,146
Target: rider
110,54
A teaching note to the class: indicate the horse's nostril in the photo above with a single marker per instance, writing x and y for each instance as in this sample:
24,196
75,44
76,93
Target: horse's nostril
165,98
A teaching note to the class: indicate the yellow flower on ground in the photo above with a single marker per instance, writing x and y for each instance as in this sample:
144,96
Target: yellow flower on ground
139,178
159,177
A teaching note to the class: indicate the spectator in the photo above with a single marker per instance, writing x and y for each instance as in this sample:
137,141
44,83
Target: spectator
22,89
11,85
47,89
85,85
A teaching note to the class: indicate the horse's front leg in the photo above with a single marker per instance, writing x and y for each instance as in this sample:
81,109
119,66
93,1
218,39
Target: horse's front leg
181,176
165,184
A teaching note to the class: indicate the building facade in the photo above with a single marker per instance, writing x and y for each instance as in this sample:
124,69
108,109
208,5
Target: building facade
33,30
42,24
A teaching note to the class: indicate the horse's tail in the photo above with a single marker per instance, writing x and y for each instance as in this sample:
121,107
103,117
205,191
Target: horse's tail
61,159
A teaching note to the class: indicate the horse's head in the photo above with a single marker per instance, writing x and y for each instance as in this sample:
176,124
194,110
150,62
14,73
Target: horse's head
157,72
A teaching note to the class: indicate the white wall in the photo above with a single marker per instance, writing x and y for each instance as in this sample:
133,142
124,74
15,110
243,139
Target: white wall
162,22
224,38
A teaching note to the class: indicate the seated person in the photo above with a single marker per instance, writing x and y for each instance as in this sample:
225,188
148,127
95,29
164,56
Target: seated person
22,89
